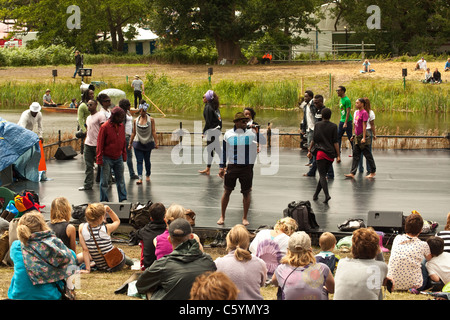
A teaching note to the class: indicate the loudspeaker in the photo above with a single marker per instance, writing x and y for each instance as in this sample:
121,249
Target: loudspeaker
387,221
122,209
65,153
404,72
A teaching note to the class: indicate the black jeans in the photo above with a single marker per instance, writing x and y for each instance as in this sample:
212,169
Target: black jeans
323,166
137,98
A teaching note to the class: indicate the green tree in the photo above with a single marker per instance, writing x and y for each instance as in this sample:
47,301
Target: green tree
227,22
407,26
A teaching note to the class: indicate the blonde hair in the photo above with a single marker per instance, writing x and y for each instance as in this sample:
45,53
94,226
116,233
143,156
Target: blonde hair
94,211
298,259
286,225
174,212
327,241
60,210
238,239
30,223
213,286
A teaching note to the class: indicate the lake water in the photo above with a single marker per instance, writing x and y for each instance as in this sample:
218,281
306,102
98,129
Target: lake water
288,121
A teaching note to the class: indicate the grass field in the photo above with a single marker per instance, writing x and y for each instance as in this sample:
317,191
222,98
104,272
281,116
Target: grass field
101,286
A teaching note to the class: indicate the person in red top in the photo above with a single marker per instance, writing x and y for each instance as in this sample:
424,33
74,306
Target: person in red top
112,153
267,58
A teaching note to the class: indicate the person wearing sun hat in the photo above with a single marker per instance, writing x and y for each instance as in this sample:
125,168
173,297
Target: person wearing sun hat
239,150
31,117
299,276
138,86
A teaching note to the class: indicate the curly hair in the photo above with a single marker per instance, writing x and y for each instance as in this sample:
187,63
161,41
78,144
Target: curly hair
365,243
286,225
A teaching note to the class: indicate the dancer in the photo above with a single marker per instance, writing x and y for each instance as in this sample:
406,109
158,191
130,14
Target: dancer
361,145
370,132
213,125
145,131
345,125
239,149
325,148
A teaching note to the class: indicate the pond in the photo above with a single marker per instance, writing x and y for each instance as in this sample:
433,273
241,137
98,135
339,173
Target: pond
287,121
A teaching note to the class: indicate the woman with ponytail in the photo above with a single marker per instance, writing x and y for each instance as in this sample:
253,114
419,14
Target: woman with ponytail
41,261
248,272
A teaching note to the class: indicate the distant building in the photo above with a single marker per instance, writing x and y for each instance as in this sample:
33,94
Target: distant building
143,43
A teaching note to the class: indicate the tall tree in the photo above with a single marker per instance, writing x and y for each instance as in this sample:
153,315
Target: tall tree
228,22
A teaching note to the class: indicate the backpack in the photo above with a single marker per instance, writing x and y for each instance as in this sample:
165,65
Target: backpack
303,214
140,214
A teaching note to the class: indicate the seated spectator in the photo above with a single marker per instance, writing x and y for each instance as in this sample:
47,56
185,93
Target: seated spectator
366,67
47,99
299,276
447,65
445,234
421,64
161,242
437,76
96,214
267,58
149,232
438,268
327,243
428,76
213,286
407,253
245,270
172,276
41,261
271,245
73,104
353,275
60,215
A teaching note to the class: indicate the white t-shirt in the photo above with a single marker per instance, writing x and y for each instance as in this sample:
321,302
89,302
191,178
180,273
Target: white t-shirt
440,266
93,123
422,64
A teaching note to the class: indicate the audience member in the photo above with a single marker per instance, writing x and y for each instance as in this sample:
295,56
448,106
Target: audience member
421,64
437,76
41,261
407,253
362,276
447,65
161,242
112,153
60,215
96,226
299,276
445,234
428,76
438,268
248,272
327,243
171,277
271,244
213,286
149,232
93,123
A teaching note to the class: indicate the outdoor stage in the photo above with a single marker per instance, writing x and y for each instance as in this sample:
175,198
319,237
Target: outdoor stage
406,180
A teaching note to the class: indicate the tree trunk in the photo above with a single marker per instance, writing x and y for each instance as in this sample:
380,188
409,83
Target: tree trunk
229,50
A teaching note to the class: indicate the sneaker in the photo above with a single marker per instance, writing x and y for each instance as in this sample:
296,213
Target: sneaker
84,188
134,177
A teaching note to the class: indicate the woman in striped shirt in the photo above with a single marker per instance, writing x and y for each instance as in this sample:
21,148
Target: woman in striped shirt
96,225
445,234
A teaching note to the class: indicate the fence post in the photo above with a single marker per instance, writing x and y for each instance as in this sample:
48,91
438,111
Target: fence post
362,50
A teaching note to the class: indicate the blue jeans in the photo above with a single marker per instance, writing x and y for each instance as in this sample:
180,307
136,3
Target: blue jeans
143,157
348,131
129,157
116,166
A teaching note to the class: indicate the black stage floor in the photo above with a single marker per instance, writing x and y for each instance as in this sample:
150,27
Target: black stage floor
405,181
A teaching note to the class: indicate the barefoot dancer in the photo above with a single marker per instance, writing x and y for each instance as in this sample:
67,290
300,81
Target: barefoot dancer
361,145
239,149
213,122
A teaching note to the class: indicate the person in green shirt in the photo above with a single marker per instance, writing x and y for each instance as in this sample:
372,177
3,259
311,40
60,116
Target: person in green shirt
346,122
83,113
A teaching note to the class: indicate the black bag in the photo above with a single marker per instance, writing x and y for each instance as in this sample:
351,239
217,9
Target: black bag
351,225
303,214
139,217
79,211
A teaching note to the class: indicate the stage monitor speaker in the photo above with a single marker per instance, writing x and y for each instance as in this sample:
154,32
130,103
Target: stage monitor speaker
387,221
65,153
122,209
